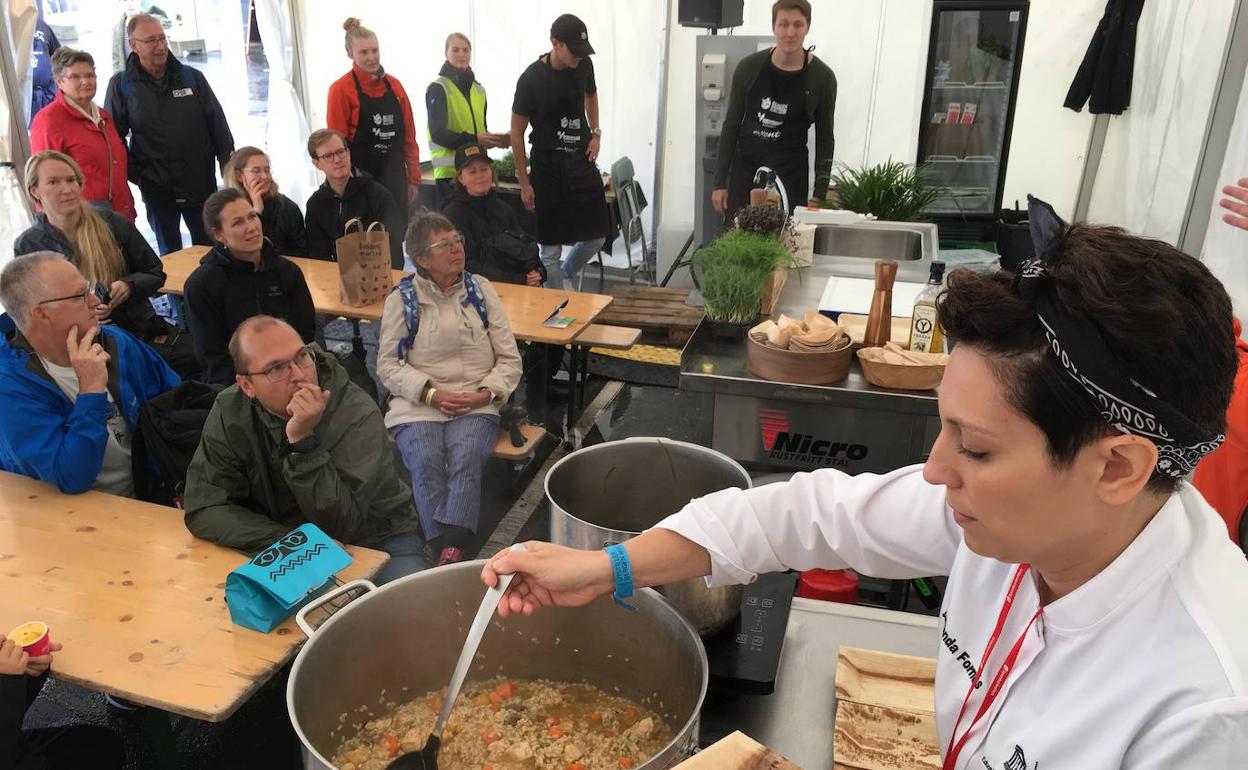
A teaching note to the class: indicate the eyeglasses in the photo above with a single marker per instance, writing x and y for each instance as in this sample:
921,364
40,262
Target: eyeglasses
84,296
258,171
454,240
280,372
158,40
337,154
80,78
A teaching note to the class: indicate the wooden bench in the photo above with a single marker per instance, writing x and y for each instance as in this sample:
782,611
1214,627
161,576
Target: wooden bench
504,450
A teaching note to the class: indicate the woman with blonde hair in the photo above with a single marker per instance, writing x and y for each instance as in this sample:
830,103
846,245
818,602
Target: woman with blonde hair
371,109
109,251
249,172
75,125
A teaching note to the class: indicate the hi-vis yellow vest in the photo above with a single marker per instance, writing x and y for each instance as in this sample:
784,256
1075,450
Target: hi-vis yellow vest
461,117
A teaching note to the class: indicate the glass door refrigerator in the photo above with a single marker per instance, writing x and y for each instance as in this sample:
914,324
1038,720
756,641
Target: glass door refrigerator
973,64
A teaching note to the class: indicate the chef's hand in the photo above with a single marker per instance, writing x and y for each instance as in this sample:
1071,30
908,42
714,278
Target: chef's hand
549,575
526,195
719,200
591,150
37,665
1236,202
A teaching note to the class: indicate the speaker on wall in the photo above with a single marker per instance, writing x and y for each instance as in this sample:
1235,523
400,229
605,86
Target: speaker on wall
711,14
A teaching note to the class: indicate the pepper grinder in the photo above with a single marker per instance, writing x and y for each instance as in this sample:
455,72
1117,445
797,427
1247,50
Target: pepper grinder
758,196
880,319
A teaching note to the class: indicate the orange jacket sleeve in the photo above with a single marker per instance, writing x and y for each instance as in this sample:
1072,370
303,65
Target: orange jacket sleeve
410,149
343,110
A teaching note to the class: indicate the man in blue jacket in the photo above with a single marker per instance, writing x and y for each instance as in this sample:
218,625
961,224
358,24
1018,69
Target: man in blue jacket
70,389
174,129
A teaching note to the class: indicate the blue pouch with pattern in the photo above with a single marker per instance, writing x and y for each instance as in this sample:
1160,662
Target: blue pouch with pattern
283,577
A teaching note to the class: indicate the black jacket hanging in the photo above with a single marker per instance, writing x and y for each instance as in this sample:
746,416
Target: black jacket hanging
1104,77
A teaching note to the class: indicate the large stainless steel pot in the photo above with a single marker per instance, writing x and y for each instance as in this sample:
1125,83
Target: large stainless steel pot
610,492
408,634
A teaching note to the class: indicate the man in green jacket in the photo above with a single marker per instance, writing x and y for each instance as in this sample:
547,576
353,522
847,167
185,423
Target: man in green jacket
294,441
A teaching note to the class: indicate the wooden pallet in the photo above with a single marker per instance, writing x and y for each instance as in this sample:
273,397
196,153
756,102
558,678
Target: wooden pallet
660,313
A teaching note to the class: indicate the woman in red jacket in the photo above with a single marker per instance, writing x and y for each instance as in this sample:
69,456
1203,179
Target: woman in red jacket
372,110
75,125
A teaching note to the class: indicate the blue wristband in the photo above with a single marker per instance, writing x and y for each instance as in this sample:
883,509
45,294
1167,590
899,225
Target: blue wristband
623,571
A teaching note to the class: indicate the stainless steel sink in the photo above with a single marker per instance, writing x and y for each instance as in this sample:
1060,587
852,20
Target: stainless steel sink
868,243
852,250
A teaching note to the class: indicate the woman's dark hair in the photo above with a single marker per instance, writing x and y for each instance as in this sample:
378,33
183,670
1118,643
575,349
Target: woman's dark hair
1162,313
421,230
217,202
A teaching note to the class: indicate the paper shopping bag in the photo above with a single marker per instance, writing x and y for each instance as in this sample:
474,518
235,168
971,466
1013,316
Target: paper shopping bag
364,263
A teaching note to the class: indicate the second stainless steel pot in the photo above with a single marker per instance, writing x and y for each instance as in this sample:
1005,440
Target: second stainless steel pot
610,492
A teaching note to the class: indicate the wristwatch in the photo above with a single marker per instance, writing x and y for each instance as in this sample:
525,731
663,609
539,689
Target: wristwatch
596,131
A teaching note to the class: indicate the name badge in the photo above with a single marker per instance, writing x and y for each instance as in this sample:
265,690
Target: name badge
179,92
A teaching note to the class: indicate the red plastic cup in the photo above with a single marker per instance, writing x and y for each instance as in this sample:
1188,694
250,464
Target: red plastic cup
33,638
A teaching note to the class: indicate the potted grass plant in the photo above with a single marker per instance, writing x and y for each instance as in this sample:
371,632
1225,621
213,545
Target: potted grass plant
892,191
734,270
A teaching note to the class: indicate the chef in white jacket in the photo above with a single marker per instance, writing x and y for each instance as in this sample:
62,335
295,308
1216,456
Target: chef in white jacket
1096,614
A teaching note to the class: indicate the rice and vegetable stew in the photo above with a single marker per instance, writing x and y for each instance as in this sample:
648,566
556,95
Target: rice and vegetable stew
503,724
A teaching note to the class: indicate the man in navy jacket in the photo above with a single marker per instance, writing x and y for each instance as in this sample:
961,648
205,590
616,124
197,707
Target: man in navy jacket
70,389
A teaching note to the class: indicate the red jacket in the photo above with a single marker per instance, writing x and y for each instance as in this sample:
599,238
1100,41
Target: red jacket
1222,477
97,149
343,112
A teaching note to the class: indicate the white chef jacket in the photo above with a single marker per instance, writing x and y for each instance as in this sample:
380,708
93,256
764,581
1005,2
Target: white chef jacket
1144,666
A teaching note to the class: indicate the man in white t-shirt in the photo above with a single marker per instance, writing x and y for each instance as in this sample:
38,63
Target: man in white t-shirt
70,389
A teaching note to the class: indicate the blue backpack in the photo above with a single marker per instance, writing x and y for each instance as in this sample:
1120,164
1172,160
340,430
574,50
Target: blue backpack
411,308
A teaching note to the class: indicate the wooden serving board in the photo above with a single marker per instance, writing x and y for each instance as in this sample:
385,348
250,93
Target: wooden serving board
662,314
885,713
737,751
856,326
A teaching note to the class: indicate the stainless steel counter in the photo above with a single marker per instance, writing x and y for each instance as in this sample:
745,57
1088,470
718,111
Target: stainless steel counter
852,425
797,719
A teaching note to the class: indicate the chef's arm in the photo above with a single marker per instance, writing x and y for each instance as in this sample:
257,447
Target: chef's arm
591,110
519,124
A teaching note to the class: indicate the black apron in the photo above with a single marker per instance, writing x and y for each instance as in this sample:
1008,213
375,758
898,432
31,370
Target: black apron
791,163
569,199
378,144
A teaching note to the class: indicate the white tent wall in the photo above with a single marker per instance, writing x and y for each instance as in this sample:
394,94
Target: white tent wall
18,28
1226,248
1152,150
506,36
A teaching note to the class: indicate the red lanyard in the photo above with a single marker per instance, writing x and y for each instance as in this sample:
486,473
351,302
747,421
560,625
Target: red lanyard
999,679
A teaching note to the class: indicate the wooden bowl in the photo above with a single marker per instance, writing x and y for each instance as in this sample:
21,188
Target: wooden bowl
821,368
898,376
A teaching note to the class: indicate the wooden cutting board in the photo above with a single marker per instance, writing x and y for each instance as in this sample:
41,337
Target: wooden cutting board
885,713
856,326
737,751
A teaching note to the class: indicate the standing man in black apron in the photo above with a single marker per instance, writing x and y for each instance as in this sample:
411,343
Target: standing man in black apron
775,97
558,96
372,110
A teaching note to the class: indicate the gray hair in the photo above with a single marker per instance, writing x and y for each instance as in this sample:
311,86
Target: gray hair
140,18
21,282
420,232
66,57
257,323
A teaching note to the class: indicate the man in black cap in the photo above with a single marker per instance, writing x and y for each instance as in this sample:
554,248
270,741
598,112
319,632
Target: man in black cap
558,96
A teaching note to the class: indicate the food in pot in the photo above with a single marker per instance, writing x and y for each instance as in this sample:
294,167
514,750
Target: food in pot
503,724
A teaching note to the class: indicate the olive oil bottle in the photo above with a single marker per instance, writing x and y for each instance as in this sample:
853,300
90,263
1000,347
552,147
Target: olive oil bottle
926,336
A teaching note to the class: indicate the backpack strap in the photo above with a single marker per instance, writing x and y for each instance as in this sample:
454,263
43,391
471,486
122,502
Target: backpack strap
411,309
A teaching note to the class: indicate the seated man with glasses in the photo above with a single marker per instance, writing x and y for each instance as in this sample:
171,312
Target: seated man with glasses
294,441
70,389
346,194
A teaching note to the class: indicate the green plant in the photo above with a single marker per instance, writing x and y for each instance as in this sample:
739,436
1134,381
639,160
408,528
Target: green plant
733,270
505,167
892,191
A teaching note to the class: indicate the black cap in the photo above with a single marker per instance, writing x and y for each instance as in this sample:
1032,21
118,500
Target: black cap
468,153
570,31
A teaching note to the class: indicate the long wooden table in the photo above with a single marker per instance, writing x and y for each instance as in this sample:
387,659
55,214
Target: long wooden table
137,601
527,306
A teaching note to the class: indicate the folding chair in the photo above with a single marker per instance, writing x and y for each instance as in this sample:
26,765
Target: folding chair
630,202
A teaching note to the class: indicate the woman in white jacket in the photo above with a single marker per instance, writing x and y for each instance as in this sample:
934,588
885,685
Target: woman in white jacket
1095,612
447,355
